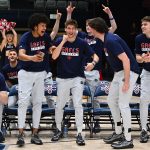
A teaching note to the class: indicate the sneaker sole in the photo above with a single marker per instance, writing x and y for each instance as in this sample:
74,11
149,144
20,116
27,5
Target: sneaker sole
126,147
20,145
80,144
32,142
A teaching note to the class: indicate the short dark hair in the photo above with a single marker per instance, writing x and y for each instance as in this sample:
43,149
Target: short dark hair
37,18
13,50
146,18
98,24
71,22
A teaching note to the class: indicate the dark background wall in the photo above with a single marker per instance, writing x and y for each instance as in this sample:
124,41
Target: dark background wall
127,13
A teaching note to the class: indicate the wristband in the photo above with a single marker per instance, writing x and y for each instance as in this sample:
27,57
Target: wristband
111,18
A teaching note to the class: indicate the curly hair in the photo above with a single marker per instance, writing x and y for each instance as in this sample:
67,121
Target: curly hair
37,18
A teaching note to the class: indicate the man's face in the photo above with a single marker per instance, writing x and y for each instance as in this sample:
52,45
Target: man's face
92,31
12,56
145,26
71,31
40,29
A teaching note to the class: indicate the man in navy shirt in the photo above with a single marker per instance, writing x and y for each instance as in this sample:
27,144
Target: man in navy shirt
93,76
34,48
3,100
70,53
126,72
10,72
142,50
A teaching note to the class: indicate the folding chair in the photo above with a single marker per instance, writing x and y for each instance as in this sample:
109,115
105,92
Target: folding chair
104,111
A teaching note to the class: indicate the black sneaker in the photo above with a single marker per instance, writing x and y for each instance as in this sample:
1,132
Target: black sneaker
2,138
144,136
80,140
123,144
57,135
20,141
36,140
114,137
96,128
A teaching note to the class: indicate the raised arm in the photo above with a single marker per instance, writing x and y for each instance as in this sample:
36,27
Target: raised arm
113,27
4,41
69,10
56,26
56,52
15,38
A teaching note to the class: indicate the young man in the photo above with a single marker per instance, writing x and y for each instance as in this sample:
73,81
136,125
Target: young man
70,53
10,72
93,76
34,47
142,49
126,72
3,101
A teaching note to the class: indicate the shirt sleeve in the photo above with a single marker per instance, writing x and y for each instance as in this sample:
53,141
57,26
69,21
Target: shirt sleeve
2,83
137,46
115,47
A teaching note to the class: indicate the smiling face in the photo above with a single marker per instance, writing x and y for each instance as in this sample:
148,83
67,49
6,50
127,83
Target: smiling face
145,26
40,29
71,31
12,56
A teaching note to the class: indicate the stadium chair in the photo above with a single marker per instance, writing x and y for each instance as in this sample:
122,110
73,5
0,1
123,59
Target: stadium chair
39,4
103,112
50,4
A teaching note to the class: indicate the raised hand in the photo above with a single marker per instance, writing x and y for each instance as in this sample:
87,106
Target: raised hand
106,9
58,15
70,9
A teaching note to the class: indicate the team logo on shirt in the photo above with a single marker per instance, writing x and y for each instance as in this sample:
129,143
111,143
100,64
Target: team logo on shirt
70,52
145,47
35,46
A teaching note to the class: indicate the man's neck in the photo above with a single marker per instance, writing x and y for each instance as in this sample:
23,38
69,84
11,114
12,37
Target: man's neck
72,39
101,36
13,64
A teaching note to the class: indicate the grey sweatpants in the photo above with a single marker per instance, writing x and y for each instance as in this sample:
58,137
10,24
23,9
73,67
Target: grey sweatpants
144,98
30,84
118,102
76,85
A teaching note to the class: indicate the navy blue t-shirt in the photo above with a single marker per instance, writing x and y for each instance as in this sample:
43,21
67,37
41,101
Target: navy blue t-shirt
72,58
142,45
32,46
2,83
11,73
114,46
5,52
97,47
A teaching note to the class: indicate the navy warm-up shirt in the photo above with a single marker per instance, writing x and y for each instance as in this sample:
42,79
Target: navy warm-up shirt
11,73
97,47
142,45
33,45
114,46
72,58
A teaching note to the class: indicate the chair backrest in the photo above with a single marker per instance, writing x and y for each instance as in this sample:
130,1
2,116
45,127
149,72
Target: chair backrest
50,4
102,89
137,90
61,4
39,4
4,4
51,89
